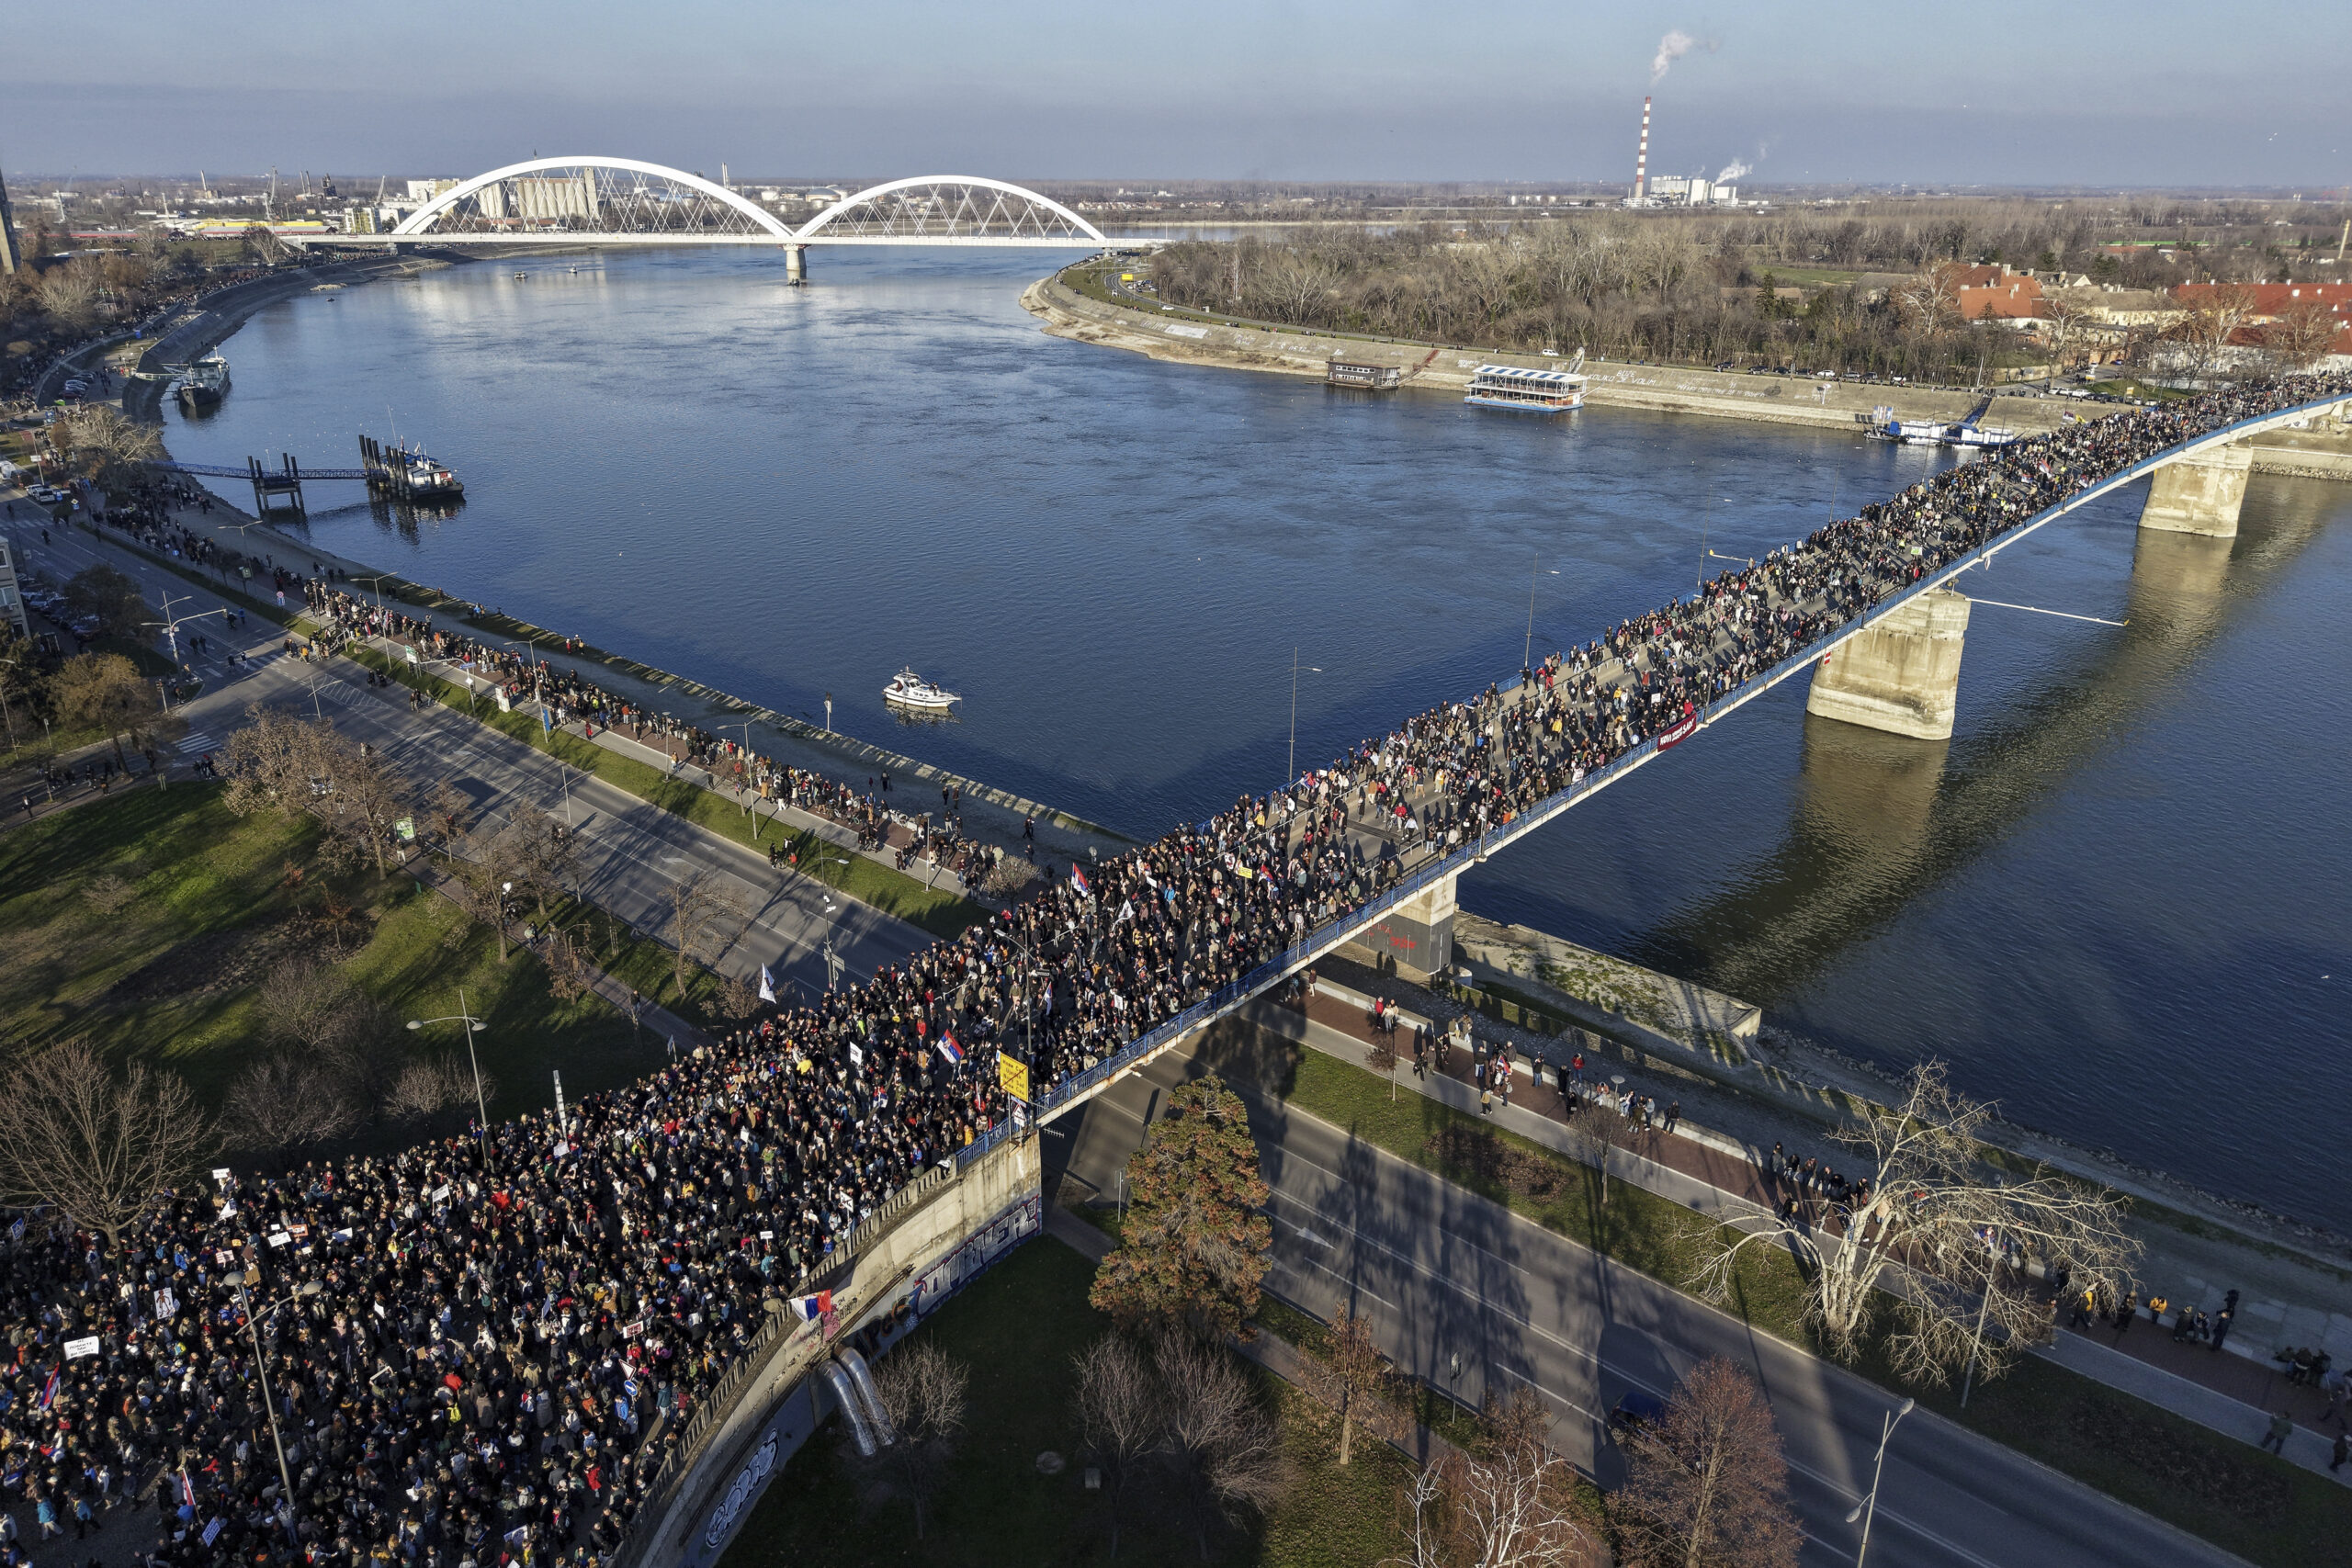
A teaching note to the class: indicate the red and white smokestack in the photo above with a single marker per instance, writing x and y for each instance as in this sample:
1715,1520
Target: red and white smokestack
1641,159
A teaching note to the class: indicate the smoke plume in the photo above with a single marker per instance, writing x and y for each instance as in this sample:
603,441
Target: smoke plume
1672,48
1732,171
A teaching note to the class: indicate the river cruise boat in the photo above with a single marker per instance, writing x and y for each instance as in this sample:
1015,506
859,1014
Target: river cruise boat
1363,375
1526,391
202,384
908,690
426,479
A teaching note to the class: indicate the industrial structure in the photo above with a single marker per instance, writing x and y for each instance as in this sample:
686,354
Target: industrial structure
11,258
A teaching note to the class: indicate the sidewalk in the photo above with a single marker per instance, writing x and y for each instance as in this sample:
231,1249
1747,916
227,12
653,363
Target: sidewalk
1720,1176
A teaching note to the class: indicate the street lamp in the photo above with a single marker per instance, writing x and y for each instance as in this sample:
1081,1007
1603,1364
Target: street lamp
171,623
379,581
1535,571
1292,777
261,1366
473,1026
1867,1509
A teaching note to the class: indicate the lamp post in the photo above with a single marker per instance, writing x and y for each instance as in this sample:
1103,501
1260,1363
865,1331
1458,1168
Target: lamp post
1867,1509
261,1367
171,623
378,582
473,1026
1291,777
1527,654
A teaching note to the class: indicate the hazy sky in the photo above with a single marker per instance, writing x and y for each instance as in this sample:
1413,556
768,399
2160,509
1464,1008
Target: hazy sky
2246,94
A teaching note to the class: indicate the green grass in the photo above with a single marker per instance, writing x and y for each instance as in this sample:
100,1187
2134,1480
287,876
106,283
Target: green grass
208,903
1017,1328
2230,1493
937,910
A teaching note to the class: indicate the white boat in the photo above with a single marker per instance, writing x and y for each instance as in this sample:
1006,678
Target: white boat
202,384
908,689
1523,390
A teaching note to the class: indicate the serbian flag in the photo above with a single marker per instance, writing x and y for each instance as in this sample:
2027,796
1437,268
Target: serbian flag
949,1049
1078,880
808,1309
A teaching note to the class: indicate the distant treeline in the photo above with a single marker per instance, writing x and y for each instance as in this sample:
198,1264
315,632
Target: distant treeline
1681,287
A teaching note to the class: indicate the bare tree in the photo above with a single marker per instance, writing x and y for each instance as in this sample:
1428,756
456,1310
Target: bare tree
1707,1486
545,855
1359,1374
2210,316
1121,1413
1381,1057
1514,1506
1223,1458
287,1103
101,1151
103,445
2300,333
364,796
922,1391
1590,1127
705,914
485,876
428,1087
1923,1232
105,692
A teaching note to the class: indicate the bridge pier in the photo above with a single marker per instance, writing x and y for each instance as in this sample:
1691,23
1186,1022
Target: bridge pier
2200,493
1901,676
796,264
1418,933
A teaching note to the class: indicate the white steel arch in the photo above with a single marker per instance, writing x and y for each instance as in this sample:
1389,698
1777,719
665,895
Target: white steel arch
953,209
420,222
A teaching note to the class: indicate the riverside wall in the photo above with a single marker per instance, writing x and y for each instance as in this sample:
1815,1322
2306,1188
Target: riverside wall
1659,388
930,1242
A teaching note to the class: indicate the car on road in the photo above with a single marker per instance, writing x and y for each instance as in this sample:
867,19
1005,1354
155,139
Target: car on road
48,496
1636,1410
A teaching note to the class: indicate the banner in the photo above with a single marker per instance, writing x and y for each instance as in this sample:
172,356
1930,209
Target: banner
1013,1074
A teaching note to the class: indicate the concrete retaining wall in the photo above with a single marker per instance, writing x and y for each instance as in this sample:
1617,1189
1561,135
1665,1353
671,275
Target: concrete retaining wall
954,1227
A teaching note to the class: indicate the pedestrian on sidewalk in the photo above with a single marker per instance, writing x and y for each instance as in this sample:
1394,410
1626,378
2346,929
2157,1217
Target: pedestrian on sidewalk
2339,1453
2282,1424
2124,1314
2221,1321
1673,1114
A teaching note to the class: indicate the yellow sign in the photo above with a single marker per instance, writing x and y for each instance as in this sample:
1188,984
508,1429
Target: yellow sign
1126,277
1014,1075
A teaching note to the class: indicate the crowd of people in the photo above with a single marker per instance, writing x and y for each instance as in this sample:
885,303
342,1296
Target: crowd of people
480,1350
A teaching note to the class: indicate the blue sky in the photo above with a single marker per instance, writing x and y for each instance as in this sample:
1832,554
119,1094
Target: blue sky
2050,93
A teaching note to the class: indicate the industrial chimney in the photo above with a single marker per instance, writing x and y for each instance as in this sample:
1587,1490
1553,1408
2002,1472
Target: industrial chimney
1641,159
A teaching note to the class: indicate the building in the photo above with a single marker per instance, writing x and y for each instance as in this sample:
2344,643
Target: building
11,256
12,597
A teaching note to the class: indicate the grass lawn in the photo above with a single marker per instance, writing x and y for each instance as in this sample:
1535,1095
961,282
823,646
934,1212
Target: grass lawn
171,972
2230,1493
1017,1328
937,910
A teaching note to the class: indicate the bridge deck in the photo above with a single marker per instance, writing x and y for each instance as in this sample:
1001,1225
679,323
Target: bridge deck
1426,864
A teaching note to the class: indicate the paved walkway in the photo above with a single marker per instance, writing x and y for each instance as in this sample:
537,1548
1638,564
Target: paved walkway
1714,1174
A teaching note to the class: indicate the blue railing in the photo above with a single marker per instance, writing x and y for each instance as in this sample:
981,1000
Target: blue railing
1229,997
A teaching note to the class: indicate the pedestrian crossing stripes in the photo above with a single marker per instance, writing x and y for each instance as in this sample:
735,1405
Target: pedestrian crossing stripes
196,743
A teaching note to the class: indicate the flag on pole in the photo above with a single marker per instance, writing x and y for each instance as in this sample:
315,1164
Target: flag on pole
767,985
808,1309
1078,880
949,1049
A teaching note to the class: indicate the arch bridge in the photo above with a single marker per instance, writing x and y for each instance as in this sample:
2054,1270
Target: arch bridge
584,201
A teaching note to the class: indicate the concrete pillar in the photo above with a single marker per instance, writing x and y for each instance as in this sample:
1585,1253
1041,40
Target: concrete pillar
796,264
1418,933
1902,675
2200,493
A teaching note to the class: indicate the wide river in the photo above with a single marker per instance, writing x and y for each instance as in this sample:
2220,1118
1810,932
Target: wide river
2115,901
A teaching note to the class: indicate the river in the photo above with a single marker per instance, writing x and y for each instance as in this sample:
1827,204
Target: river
2114,901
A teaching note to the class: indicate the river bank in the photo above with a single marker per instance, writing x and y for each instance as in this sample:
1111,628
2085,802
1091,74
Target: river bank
1660,389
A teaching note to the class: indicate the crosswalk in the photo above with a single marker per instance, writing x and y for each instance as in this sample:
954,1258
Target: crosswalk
197,742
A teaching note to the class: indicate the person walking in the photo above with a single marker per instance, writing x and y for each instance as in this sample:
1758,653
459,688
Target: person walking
2221,1321
2282,1424
2339,1453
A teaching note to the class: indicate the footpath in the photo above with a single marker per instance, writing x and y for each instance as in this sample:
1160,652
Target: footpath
1725,1177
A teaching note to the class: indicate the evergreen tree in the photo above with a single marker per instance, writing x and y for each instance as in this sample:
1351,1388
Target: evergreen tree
1193,1249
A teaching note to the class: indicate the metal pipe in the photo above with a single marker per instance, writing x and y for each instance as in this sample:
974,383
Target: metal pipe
846,1397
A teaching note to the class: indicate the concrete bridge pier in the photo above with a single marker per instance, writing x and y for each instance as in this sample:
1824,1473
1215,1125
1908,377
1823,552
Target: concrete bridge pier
1418,933
1901,676
2200,493
796,264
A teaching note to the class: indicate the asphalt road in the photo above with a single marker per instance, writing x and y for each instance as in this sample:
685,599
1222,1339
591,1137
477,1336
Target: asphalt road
630,854
1467,1296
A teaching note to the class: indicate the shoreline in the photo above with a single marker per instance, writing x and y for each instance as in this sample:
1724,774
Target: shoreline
2242,1219
1839,406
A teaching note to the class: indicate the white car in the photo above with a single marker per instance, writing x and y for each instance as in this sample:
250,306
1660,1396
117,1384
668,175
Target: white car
48,496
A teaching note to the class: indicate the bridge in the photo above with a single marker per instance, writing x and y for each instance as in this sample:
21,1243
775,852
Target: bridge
587,201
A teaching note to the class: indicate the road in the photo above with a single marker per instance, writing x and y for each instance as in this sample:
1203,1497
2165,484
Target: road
1469,1297
631,853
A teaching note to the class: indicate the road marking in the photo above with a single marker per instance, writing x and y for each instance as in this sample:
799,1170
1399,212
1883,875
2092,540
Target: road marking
196,742
1839,1488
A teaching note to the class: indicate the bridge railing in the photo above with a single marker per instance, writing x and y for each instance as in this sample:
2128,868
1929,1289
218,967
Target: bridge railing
1229,997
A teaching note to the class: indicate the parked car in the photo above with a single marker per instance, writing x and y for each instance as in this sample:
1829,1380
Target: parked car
1636,1410
48,496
